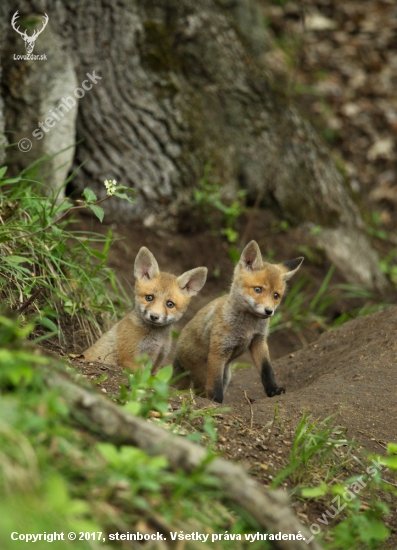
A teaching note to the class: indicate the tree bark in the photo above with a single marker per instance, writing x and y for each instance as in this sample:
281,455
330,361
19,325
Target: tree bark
181,86
100,416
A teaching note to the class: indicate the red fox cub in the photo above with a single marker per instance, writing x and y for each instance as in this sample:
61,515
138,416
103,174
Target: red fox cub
228,326
160,300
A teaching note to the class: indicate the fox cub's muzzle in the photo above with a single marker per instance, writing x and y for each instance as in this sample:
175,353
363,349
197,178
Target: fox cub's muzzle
158,320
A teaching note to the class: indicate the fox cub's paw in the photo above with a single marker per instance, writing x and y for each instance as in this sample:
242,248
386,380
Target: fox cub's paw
274,390
215,395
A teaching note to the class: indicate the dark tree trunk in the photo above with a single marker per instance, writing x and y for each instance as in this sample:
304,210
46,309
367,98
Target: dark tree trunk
181,86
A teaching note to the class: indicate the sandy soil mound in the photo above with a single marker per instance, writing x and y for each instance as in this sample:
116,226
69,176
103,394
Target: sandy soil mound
351,371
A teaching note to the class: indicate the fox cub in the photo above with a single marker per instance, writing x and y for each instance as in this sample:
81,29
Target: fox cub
160,300
228,326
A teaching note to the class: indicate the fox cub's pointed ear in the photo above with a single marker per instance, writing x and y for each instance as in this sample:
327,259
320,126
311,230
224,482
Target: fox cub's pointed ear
251,257
146,266
193,281
290,267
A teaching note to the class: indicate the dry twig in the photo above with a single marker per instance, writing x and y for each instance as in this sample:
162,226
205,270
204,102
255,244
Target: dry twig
29,301
251,409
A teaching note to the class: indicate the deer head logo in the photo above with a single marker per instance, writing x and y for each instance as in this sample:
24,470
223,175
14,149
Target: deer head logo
29,40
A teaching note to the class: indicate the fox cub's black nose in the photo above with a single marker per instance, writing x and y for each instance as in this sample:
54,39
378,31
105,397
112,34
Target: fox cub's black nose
154,317
268,311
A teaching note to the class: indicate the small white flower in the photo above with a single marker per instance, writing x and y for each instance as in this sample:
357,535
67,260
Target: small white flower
110,187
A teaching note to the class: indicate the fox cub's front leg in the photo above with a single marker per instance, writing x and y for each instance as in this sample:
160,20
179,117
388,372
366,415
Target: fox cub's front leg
260,355
217,377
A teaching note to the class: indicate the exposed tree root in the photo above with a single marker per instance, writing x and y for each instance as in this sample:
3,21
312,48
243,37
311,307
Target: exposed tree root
269,508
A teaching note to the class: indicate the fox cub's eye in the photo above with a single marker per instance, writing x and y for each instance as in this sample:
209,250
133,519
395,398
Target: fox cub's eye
149,297
276,296
170,304
258,289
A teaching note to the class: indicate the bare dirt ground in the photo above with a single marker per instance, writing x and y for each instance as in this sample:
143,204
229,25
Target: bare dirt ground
349,372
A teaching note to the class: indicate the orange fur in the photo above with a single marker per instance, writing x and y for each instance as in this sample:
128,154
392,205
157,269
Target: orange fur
228,326
160,300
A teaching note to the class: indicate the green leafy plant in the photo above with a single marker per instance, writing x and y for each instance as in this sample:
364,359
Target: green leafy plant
302,309
388,265
355,512
374,228
62,478
208,197
280,226
358,292
312,447
146,392
196,424
41,253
